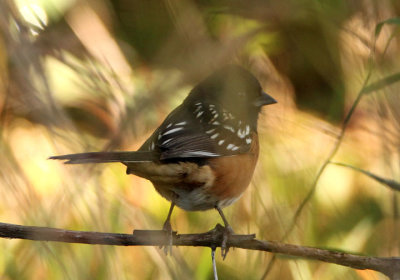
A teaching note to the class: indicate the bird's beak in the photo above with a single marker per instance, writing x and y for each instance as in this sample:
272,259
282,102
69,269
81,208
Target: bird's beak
264,99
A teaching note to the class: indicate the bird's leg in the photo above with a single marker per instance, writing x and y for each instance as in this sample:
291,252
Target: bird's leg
227,232
168,229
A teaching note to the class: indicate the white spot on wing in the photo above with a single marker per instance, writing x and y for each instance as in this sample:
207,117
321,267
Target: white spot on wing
181,123
210,131
248,140
173,130
201,153
220,142
241,133
169,125
199,114
215,116
230,128
166,141
232,147
214,136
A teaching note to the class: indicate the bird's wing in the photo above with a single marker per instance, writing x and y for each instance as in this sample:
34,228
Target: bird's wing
199,131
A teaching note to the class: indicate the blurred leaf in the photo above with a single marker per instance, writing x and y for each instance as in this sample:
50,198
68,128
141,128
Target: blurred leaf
387,182
379,26
382,83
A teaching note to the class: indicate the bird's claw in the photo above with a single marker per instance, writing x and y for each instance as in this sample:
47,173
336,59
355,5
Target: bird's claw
228,231
168,231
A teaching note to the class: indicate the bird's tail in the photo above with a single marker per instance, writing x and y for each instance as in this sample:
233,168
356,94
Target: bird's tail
103,157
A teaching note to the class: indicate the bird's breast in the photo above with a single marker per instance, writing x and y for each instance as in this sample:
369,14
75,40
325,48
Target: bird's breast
233,174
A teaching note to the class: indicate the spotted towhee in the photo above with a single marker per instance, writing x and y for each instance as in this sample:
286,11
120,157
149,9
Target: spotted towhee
204,153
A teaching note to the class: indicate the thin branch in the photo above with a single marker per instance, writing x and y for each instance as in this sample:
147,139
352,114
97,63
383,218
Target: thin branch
389,266
394,185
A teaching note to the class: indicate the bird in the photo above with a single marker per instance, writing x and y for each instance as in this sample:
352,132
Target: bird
204,153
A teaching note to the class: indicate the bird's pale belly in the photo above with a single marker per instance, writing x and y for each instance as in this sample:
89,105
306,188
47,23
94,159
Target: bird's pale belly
185,183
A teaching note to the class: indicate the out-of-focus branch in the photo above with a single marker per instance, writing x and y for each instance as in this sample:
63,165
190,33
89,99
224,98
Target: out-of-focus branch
394,185
389,266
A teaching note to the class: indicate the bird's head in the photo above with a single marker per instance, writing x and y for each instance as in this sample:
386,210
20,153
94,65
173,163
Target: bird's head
234,89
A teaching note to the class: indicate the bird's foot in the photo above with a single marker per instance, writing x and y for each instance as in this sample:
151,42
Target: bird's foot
168,231
227,232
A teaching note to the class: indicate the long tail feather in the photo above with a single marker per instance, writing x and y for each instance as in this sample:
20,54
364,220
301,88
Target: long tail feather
103,157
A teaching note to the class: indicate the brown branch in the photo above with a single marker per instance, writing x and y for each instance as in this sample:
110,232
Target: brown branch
389,266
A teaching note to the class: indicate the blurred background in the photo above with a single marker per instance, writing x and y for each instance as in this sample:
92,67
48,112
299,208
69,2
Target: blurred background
97,75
